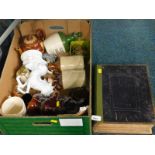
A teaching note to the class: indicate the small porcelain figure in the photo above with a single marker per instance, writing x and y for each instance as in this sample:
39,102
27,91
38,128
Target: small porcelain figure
22,75
49,58
32,59
34,107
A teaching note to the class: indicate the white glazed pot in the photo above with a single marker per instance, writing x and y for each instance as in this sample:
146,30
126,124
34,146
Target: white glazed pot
13,106
54,44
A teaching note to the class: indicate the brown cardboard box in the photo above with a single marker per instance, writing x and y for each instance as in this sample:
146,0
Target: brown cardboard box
13,62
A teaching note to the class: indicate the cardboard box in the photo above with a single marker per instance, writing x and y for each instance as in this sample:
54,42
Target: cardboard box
40,125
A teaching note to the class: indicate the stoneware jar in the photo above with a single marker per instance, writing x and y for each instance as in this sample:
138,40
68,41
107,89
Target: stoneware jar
73,78
59,42
71,62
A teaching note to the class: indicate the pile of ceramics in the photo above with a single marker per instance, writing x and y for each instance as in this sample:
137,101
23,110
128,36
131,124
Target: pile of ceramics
52,77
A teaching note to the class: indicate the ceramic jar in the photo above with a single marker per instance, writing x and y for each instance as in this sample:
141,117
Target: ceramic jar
59,42
13,106
73,78
71,62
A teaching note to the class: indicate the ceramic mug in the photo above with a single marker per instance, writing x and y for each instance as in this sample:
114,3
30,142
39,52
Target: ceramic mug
13,106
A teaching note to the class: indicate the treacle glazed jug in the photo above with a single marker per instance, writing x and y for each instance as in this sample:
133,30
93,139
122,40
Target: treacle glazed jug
32,41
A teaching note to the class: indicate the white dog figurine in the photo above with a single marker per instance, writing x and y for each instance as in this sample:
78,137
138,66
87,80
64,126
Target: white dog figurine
32,59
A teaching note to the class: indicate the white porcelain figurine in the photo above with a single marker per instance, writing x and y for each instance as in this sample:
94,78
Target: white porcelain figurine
32,59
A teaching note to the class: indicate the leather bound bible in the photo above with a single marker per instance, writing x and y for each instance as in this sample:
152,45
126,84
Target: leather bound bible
123,95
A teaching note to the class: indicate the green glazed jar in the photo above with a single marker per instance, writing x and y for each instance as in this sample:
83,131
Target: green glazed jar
59,42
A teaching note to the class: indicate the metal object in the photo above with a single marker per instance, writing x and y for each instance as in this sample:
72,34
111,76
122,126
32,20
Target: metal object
3,37
0,53
9,30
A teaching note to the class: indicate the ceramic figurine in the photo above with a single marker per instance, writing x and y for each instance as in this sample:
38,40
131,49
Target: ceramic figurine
59,42
56,77
61,105
80,47
80,94
53,67
17,92
35,81
40,33
32,41
56,105
42,105
70,106
33,107
50,107
32,59
22,75
49,58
